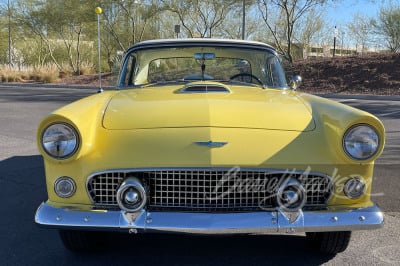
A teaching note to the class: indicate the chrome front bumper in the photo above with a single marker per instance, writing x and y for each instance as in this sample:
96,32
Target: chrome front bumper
210,223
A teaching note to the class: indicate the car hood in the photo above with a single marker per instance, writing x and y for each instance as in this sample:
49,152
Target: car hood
237,107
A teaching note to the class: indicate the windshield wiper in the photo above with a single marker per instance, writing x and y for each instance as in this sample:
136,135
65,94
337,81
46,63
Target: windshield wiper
243,83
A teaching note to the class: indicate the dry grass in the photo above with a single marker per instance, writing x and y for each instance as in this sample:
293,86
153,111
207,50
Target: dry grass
48,73
9,74
87,68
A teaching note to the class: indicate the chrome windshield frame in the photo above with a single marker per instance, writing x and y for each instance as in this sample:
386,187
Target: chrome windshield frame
192,43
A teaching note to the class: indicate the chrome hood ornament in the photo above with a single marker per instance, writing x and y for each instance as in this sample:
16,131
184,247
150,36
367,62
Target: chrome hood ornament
211,144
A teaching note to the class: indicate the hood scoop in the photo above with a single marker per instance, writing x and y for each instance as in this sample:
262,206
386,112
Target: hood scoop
204,88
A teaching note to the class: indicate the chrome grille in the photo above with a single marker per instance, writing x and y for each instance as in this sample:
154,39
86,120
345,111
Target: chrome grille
205,191
103,188
208,190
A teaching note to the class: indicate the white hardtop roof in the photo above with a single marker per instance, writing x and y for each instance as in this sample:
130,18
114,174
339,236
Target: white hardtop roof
208,41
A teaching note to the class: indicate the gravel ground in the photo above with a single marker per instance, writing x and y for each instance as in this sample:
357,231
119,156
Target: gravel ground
376,74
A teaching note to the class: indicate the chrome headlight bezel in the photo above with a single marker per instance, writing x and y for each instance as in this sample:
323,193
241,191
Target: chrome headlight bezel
58,135
359,139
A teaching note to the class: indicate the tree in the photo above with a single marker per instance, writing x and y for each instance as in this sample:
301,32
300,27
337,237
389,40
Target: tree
200,18
70,20
29,16
7,32
282,16
387,25
360,31
311,24
59,23
3,33
231,26
126,23
137,15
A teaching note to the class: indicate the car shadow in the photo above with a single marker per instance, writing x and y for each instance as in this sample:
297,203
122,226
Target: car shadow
156,249
24,243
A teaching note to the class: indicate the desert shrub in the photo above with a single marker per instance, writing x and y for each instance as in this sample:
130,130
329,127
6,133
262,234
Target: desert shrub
9,74
66,70
47,73
87,68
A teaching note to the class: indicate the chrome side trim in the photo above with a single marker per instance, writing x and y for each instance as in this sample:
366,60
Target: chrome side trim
75,217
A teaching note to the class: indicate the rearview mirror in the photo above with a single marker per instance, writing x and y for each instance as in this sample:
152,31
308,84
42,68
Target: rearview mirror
204,56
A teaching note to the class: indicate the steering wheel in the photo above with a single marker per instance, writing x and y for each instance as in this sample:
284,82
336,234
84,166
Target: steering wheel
246,75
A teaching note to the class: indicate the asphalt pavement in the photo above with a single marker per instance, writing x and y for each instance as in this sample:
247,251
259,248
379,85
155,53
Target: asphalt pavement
23,189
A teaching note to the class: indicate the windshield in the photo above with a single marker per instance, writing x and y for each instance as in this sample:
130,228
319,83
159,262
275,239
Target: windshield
186,64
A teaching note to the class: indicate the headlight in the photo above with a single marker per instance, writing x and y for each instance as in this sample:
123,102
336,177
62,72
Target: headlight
60,140
361,142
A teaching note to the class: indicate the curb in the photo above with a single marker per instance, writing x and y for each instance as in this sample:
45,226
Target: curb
360,97
56,86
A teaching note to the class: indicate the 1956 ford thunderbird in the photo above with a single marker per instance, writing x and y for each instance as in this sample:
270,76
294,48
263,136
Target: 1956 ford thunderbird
207,136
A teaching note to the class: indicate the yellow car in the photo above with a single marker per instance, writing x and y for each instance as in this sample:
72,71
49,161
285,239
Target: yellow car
207,136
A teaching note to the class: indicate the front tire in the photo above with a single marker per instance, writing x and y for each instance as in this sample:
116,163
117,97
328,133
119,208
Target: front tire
329,242
79,241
